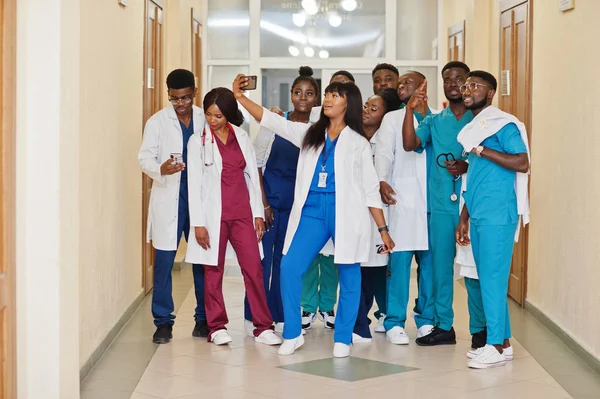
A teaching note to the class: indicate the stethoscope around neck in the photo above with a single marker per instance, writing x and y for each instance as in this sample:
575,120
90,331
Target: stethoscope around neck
208,161
450,158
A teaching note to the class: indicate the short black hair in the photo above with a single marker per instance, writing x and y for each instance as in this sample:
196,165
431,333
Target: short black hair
180,79
486,76
456,64
344,73
305,74
390,99
383,66
418,73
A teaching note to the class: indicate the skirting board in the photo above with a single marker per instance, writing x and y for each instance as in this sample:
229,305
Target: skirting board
587,357
112,334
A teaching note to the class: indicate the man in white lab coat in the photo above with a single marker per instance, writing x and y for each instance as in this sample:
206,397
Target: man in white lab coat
163,157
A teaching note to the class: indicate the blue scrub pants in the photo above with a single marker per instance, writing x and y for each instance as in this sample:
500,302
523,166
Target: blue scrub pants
370,276
272,242
443,248
162,296
492,250
317,225
398,286
477,321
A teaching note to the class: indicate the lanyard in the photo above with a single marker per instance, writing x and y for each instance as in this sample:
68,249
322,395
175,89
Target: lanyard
325,153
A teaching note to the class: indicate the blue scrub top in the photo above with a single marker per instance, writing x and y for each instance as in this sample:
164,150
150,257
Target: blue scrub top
279,177
326,159
183,183
440,130
490,197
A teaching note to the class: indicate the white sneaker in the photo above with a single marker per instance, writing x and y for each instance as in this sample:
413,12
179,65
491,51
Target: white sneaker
380,328
249,327
357,339
508,353
279,327
328,319
341,350
488,357
424,330
268,337
289,346
397,336
307,319
220,337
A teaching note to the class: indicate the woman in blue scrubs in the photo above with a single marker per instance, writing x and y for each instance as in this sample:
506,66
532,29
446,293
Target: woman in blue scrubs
335,196
277,160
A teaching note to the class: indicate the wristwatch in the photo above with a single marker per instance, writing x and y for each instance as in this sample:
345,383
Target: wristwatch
478,150
383,228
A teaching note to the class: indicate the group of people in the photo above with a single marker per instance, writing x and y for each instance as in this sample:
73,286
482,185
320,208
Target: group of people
347,194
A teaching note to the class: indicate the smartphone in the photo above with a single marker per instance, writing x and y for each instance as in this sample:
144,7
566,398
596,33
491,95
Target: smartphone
177,158
251,83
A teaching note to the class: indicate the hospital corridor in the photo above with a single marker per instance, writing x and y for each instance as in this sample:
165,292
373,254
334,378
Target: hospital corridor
246,199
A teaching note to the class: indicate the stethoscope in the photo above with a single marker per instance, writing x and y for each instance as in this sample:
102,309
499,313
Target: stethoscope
212,149
449,157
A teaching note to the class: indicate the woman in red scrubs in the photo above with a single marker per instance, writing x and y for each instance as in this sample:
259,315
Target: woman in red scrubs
226,206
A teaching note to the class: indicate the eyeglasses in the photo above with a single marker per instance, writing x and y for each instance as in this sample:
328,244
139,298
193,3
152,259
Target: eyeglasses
472,86
185,100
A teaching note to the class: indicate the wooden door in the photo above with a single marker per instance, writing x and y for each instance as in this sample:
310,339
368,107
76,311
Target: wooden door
197,55
456,42
153,84
515,98
7,201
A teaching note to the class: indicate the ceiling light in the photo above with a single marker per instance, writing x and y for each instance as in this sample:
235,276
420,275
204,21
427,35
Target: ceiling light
309,51
323,54
299,19
349,5
335,19
310,6
294,51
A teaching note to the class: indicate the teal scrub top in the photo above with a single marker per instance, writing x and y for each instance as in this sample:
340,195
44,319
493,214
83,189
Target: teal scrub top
440,130
490,197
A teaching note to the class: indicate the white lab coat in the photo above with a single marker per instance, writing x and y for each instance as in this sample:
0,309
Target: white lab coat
163,136
357,187
376,259
204,185
406,173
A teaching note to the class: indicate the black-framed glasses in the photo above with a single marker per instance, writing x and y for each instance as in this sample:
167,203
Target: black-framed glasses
472,86
185,100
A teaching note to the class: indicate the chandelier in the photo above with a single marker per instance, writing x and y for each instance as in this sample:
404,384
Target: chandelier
313,10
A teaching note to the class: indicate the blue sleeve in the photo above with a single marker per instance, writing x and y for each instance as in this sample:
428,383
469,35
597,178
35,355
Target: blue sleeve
421,117
423,131
510,139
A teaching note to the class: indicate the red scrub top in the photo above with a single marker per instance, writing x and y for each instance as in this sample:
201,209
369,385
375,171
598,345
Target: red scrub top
234,192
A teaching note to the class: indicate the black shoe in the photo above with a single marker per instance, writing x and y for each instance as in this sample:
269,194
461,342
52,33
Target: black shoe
328,318
438,336
201,329
479,339
163,334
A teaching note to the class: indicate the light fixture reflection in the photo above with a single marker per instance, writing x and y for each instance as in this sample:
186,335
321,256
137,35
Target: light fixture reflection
299,19
309,51
294,51
323,54
335,19
349,5
310,6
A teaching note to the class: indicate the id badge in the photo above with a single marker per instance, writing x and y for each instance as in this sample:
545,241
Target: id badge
322,180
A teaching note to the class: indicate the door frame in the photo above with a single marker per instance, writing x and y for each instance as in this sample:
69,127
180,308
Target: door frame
506,5
8,186
197,64
453,31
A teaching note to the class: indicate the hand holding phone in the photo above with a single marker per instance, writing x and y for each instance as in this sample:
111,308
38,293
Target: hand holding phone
176,158
251,83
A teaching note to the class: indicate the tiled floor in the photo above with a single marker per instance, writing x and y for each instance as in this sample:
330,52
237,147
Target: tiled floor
193,368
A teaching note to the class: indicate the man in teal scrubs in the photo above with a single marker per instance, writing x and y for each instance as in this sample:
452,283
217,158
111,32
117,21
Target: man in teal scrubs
491,206
447,165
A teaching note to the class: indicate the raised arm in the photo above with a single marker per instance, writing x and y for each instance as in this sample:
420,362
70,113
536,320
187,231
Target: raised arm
418,102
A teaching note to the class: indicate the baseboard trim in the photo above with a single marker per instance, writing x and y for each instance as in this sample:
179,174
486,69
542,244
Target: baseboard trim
112,334
579,350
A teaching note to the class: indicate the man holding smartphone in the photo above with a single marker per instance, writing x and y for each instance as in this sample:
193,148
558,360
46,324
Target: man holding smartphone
163,157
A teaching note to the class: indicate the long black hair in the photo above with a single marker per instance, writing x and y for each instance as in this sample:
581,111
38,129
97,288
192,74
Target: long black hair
226,102
315,136
305,74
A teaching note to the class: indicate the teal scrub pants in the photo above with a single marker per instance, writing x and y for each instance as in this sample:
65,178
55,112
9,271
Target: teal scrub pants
475,305
492,250
443,247
320,285
398,289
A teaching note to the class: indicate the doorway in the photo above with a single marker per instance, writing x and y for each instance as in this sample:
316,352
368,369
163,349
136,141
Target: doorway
153,102
197,54
7,200
456,42
515,98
